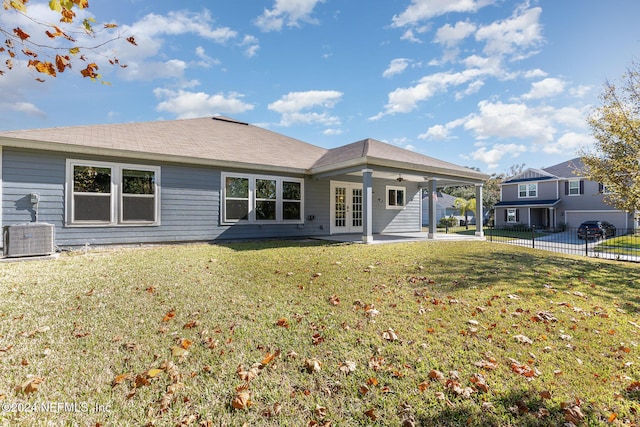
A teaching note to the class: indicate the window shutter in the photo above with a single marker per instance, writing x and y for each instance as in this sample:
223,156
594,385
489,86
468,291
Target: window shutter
600,188
517,215
566,188
506,215
581,187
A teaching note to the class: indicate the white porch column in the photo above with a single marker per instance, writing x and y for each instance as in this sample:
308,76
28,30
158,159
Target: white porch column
367,205
479,213
433,212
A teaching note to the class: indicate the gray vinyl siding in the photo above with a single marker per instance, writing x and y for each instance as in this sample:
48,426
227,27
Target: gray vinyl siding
189,203
547,190
407,219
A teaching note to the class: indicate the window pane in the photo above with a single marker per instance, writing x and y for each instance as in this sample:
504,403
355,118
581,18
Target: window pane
237,209
88,179
265,210
138,182
138,208
92,208
392,197
399,197
291,190
291,210
533,189
237,187
265,189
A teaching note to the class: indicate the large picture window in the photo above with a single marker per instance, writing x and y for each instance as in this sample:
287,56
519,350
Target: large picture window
261,199
111,194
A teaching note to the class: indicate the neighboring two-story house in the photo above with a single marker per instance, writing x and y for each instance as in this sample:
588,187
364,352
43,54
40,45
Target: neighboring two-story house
555,196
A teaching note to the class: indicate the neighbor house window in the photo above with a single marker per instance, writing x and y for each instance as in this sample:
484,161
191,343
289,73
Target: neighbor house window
395,197
112,194
512,215
574,188
261,199
527,190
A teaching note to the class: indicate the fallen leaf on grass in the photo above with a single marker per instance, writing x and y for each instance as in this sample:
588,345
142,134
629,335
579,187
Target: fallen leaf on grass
490,364
282,322
178,351
334,300
190,325
523,339
423,386
436,375
347,367
312,365
572,412
31,385
390,335
119,379
479,381
170,315
242,398
371,413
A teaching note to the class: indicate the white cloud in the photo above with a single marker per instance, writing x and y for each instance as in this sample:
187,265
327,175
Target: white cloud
293,106
286,12
26,108
205,60
451,36
515,120
513,36
404,100
580,91
437,133
533,74
570,142
185,104
396,66
493,156
420,10
151,70
251,45
545,88
332,131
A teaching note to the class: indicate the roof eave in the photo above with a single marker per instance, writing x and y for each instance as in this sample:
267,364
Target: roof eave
156,157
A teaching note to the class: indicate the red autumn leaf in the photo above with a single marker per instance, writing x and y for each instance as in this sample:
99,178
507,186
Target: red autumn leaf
282,322
90,71
170,315
21,34
62,62
268,358
371,413
132,41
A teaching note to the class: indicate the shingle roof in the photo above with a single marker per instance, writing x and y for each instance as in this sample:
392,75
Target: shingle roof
372,152
220,140
569,169
217,139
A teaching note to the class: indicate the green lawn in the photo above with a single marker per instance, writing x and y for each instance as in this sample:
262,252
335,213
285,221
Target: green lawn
624,245
303,333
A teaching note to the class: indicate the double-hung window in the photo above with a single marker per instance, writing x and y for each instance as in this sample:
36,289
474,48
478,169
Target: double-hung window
261,199
527,190
574,187
395,197
111,194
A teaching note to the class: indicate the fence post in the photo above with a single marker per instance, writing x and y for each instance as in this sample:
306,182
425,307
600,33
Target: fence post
586,242
533,236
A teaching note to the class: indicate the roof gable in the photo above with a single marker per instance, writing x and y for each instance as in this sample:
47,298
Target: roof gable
569,169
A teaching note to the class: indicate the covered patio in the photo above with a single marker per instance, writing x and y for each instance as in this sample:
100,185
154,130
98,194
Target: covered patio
397,238
370,165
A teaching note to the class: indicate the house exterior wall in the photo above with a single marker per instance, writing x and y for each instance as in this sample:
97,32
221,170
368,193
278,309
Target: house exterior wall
572,210
189,204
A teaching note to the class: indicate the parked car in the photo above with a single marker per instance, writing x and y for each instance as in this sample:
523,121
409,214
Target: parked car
596,230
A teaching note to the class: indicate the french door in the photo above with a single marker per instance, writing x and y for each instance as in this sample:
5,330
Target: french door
346,207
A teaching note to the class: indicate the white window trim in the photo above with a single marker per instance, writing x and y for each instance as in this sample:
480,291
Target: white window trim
573,181
252,199
528,196
1,195
515,215
404,198
116,194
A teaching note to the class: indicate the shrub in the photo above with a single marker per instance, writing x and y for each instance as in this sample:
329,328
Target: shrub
448,222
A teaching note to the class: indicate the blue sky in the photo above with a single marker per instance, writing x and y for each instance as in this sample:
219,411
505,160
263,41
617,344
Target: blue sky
480,83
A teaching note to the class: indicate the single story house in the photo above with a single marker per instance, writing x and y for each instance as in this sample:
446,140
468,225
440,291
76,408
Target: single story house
208,179
445,207
556,196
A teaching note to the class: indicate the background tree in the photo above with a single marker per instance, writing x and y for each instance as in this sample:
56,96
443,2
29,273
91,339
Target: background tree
56,47
615,158
465,206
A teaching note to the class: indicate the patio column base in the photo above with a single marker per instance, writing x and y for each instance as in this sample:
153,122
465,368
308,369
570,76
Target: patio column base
431,236
367,239
480,233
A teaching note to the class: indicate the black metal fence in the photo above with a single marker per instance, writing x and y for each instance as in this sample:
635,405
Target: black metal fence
619,244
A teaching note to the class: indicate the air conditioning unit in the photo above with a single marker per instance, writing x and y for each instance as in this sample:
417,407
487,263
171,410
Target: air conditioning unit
28,239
